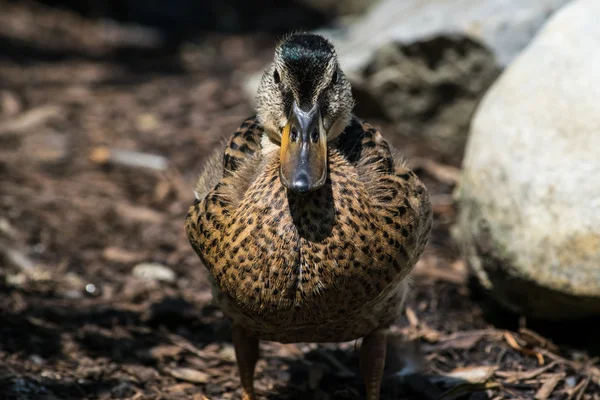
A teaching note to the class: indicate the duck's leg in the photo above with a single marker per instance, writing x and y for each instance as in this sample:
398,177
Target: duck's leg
246,354
372,362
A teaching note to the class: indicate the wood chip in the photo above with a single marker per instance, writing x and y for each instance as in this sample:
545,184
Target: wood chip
446,174
128,158
461,340
429,334
512,342
17,258
138,213
413,320
535,339
180,388
30,119
6,229
190,375
456,275
548,387
122,256
515,376
479,374
165,351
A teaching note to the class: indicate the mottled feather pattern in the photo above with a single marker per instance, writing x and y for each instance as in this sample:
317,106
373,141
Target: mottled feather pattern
295,268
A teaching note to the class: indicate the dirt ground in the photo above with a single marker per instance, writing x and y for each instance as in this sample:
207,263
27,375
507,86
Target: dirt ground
80,103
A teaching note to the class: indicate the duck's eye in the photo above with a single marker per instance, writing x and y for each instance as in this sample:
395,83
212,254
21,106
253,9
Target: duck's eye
334,77
294,135
276,76
314,136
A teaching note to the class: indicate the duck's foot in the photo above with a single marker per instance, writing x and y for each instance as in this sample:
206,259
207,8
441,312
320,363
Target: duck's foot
372,362
246,354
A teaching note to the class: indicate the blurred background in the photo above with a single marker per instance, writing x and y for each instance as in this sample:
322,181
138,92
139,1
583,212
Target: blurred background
108,110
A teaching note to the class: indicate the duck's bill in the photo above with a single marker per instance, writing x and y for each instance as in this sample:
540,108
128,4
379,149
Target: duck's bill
303,158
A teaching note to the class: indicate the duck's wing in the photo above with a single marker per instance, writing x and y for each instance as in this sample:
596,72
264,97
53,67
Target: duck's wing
222,182
242,145
227,159
398,196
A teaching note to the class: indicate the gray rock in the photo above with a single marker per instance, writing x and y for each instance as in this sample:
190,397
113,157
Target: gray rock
346,8
425,64
530,194
429,88
503,26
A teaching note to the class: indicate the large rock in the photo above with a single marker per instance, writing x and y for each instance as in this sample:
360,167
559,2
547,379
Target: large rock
425,64
336,8
530,190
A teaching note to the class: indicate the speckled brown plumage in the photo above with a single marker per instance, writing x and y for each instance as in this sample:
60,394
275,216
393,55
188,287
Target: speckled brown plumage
296,268
307,220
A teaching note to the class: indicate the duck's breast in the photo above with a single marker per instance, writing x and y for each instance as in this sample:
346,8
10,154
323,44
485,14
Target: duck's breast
306,260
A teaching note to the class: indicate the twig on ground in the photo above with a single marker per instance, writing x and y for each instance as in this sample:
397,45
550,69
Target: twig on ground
548,386
30,119
128,158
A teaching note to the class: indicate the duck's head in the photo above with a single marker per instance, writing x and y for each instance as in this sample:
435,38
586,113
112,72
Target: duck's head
304,100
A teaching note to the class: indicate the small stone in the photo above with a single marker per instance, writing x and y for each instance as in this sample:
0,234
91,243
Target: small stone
571,381
154,271
90,288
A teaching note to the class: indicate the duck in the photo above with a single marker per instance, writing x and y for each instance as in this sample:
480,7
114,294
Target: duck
308,221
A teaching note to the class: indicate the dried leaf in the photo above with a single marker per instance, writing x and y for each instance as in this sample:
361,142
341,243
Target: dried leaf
548,387
165,351
535,339
461,340
138,213
443,173
180,388
30,119
471,375
190,375
104,155
122,256
514,376
512,342
413,320
430,334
